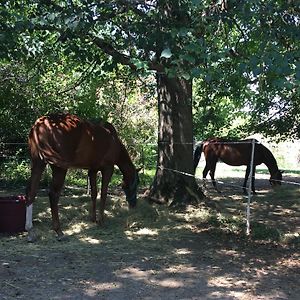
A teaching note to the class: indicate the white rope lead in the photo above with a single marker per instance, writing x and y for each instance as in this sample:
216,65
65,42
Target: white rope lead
218,181
176,171
248,229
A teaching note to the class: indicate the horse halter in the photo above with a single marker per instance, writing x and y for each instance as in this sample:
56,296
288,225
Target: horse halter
276,179
131,191
274,182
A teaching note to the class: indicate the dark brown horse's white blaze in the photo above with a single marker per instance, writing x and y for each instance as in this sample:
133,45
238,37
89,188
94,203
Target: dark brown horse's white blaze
65,141
236,154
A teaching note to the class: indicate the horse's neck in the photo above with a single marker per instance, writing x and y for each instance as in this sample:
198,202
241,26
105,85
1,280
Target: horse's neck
270,161
125,165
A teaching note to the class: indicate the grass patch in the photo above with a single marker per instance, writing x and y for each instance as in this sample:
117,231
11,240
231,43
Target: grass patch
289,171
124,227
292,239
263,232
15,173
227,224
146,220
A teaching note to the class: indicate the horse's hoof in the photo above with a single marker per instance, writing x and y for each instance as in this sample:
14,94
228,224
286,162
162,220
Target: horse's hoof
62,237
32,237
93,217
100,223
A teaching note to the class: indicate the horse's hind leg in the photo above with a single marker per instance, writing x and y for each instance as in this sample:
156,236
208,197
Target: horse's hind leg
58,178
212,176
210,166
205,171
37,168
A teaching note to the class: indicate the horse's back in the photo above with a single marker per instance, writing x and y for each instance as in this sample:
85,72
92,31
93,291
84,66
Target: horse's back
231,152
67,141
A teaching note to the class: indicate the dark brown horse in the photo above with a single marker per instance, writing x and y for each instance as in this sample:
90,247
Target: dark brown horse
236,154
65,141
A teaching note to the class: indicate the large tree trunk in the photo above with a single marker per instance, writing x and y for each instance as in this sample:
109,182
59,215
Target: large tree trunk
174,181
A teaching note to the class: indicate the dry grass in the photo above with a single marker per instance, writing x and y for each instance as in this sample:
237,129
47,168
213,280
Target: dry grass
154,250
274,215
158,222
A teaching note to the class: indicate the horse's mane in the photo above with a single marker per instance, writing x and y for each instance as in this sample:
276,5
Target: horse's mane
228,139
111,128
269,156
104,124
221,139
124,153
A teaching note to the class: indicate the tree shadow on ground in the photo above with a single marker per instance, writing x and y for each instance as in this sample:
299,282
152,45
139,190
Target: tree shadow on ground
150,253
275,207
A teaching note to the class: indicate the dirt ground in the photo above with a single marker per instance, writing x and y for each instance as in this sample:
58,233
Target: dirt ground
155,253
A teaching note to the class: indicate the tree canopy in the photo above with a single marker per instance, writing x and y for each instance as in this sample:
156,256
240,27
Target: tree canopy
245,53
240,59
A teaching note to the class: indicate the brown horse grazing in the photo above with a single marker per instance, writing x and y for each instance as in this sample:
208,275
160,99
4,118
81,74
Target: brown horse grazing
236,154
65,141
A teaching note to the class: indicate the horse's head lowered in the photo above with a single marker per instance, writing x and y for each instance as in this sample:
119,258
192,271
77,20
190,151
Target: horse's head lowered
276,178
130,190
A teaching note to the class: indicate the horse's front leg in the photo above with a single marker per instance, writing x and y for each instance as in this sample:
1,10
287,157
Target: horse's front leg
58,178
106,176
93,183
246,179
253,181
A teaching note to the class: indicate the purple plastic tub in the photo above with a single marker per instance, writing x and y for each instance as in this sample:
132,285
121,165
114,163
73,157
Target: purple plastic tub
12,214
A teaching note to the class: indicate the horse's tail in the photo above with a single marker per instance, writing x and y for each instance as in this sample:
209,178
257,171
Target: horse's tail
197,154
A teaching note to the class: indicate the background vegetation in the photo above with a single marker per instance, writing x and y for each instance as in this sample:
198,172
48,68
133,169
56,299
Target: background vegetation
243,58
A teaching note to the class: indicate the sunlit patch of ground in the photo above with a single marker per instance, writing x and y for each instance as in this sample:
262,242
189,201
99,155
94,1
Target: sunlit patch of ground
269,206
154,252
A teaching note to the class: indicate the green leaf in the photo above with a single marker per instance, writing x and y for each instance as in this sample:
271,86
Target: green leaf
139,64
186,76
208,78
196,2
166,53
188,58
257,71
196,72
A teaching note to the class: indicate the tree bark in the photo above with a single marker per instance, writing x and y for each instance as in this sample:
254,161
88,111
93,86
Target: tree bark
174,180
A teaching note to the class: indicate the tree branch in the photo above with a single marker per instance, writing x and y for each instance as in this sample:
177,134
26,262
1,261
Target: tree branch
110,50
123,58
85,74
